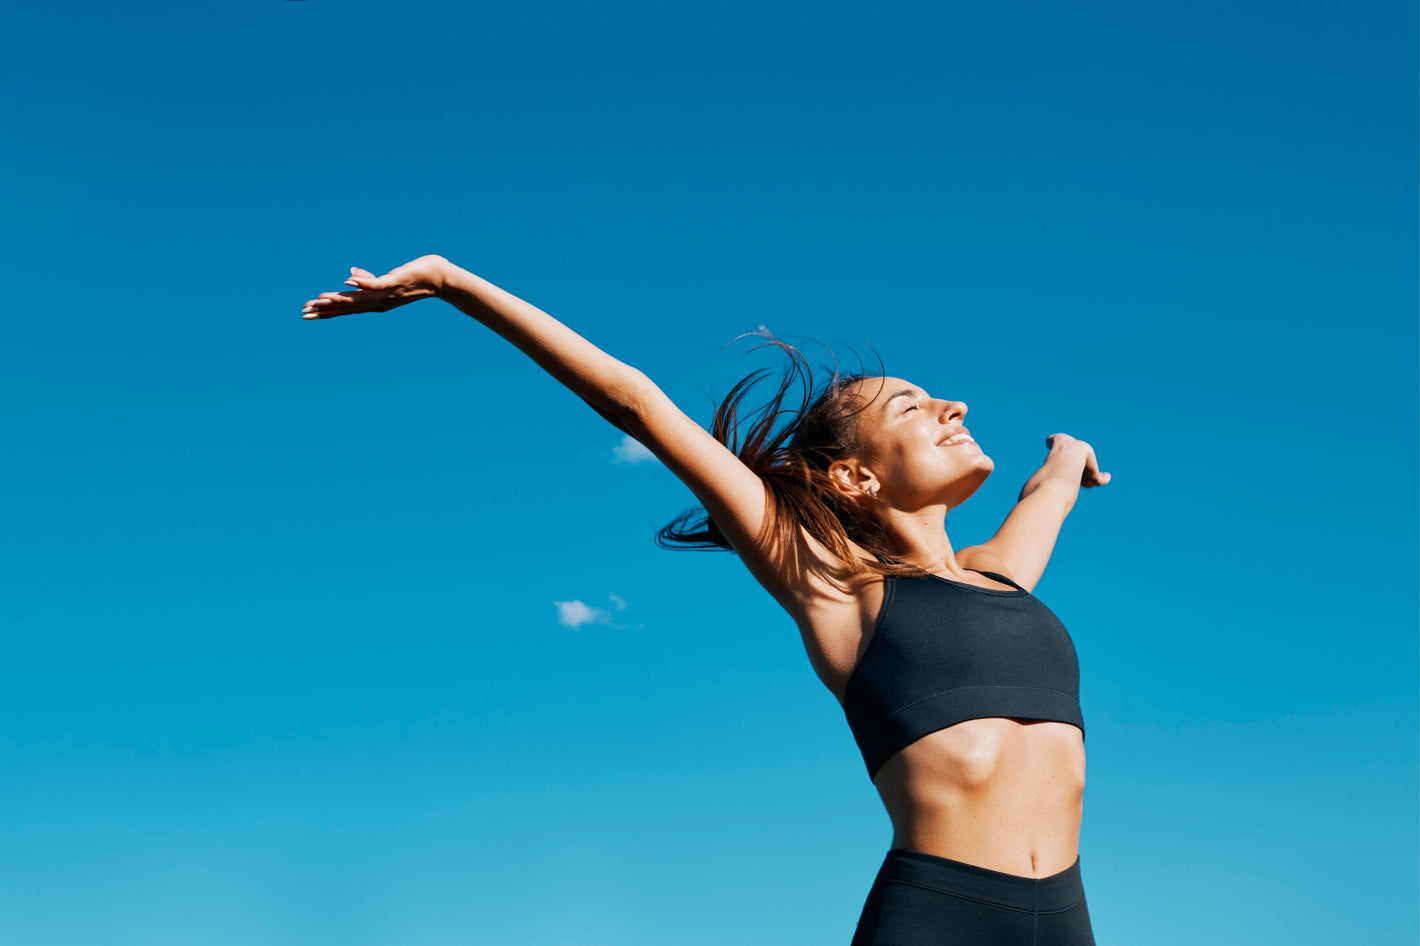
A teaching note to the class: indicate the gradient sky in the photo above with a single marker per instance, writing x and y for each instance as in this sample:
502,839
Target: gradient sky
353,632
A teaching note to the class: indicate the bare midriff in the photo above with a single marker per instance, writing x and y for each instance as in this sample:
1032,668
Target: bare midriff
1004,794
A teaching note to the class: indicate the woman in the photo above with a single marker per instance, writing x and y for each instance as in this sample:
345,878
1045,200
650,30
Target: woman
960,687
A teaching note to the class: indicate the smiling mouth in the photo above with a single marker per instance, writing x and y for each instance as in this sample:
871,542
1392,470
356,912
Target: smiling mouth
960,437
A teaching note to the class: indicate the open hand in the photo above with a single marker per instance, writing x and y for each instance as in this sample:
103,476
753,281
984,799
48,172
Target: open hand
415,280
1091,475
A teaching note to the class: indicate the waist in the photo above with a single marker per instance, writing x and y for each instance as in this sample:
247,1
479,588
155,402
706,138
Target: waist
1047,893
1003,794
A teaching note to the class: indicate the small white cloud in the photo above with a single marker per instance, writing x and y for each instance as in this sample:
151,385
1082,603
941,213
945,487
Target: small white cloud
630,450
574,614
578,614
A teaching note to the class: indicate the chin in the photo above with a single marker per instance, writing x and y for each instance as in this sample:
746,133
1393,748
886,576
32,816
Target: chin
972,482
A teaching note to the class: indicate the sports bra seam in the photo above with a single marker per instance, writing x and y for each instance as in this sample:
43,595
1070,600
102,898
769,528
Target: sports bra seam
999,576
877,627
980,686
1016,588
1015,592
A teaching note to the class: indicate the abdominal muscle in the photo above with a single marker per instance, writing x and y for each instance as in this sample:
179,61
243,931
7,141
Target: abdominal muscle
1004,794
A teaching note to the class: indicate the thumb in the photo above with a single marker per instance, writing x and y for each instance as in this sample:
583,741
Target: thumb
362,278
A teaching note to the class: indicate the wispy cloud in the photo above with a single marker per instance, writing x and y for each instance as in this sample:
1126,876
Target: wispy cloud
630,450
577,614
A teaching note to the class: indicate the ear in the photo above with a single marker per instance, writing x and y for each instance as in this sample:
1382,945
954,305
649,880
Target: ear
852,480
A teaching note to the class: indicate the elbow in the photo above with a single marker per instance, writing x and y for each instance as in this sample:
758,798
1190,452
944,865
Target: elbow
625,403
619,396
632,396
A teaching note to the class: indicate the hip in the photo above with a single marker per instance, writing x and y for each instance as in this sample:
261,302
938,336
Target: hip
920,899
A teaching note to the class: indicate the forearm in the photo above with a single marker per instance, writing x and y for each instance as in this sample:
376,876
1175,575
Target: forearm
612,387
1061,471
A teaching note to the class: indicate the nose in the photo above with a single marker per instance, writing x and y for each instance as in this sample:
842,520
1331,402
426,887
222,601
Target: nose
954,411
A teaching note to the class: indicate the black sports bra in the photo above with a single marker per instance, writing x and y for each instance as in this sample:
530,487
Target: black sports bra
943,652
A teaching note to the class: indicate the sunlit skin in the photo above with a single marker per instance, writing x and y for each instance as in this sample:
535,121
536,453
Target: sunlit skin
1004,794
999,793
914,477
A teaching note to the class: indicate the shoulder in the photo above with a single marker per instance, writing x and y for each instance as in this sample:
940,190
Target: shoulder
981,558
813,582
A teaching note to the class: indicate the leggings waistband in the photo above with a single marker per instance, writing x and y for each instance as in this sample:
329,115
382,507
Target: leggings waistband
1030,894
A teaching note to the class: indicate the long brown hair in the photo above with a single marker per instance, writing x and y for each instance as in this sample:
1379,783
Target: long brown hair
790,449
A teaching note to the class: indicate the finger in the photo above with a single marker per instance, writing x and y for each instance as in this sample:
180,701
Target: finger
327,310
364,279
343,306
363,297
360,277
375,302
330,307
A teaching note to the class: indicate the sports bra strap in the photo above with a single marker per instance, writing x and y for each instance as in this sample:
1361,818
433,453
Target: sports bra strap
997,576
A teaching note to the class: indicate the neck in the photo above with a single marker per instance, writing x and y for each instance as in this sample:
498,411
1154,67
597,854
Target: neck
920,538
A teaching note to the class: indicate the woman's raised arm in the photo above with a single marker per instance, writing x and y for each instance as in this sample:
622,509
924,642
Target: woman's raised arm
610,386
732,493
1023,545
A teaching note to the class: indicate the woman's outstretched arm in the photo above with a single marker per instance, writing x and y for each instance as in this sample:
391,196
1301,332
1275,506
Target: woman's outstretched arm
1023,544
733,495
610,386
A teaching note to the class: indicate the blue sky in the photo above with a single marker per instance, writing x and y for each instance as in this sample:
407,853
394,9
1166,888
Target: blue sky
282,652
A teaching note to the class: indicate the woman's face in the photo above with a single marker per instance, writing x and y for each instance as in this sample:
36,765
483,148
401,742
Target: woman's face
914,447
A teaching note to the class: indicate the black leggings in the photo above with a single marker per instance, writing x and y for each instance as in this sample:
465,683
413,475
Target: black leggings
924,900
